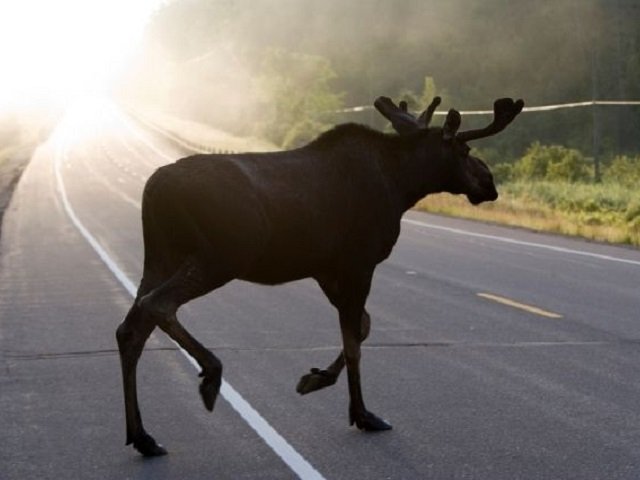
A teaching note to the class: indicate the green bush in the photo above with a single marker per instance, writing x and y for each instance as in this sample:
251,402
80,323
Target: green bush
552,163
623,170
632,214
502,172
588,198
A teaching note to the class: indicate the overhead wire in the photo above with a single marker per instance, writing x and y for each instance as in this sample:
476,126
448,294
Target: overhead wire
540,108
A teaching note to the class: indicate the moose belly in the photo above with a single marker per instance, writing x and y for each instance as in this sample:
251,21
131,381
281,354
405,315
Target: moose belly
288,261
300,257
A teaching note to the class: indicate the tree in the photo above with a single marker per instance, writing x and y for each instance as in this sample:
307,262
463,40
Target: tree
296,97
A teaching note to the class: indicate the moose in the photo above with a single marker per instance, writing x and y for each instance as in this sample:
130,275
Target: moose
330,211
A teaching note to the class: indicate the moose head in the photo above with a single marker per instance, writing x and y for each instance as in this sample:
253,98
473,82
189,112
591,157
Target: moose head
469,175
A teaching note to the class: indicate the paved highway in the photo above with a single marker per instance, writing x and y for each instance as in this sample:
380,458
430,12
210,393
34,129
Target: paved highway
495,353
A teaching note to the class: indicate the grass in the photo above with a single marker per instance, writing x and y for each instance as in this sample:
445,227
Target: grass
604,212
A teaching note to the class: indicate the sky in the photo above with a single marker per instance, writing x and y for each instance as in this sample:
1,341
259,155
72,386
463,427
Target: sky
58,50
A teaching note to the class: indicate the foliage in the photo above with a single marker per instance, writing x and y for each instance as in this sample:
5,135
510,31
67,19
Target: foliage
600,211
624,170
556,163
574,197
210,49
418,102
502,172
632,213
552,163
297,93
550,189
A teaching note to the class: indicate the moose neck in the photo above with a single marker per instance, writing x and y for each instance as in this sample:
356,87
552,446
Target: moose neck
413,169
409,163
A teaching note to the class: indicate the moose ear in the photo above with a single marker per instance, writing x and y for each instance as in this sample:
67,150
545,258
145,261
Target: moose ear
451,124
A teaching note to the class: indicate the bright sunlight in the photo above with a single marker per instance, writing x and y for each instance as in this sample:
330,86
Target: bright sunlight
57,51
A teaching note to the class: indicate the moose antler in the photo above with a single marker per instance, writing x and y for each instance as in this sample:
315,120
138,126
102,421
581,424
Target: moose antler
402,121
425,117
504,111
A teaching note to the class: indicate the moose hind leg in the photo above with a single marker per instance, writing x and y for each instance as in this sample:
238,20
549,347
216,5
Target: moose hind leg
189,282
211,366
317,378
132,335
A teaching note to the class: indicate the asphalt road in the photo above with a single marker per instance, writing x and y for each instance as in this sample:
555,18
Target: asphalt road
495,353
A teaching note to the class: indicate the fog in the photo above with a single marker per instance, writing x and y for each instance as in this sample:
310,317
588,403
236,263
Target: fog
237,63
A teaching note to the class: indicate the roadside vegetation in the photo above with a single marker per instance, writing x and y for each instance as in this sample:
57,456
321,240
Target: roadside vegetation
551,189
20,133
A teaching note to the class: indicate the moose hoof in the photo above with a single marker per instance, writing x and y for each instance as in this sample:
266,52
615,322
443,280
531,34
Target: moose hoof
368,422
209,388
315,380
148,447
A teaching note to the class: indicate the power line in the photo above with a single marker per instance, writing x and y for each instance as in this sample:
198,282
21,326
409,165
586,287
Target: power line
541,108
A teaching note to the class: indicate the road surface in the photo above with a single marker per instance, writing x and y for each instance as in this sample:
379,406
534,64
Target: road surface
495,353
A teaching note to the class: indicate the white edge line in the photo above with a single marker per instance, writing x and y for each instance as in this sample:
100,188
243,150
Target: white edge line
523,243
296,462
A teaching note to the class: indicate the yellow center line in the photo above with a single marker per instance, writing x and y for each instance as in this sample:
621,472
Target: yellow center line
521,306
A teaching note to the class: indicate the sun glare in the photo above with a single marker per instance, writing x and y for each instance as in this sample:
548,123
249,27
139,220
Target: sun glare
59,50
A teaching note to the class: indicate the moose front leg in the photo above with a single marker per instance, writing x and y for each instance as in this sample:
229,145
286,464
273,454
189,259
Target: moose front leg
347,292
317,378
350,325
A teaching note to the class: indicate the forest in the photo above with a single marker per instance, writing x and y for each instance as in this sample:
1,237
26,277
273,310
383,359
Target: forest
283,69
286,71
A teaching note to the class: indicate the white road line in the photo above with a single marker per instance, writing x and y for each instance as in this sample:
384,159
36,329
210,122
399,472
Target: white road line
513,241
296,462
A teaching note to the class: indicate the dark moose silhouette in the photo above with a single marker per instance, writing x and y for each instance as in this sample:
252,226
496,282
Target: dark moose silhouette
330,210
